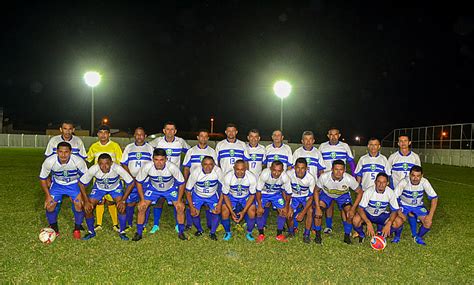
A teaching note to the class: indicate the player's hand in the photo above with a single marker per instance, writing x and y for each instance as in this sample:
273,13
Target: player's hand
49,202
300,217
386,230
194,211
428,220
260,211
234,216
240,216
351,214
88,206
319,212
370,230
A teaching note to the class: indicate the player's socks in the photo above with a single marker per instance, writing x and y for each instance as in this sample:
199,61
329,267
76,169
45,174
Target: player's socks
175,216
90,225
329,222
214,223
413,225
265,215
347,228
208,219
180,228
306,232
113,214
99,213
122,222
360,231
157,216
140,229
78,218
250,225
58,208
52,217
129,215
280,224
147,216
422,231
197,223
189,218
226,224
260,223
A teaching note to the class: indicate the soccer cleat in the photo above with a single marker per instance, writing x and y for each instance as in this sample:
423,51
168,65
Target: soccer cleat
187,228
419,240
220,228
396,240
361,239
154,229
76,234
213,236
116,228
227,236
88,236
347,238
306,239
137,237
123,236
291,235
318,238
81,228
327,231
281,238
128,228
249,237
176,229
98,228
260,238
198,233
181,236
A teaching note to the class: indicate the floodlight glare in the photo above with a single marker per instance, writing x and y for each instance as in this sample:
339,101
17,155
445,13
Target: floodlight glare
282,89
92,78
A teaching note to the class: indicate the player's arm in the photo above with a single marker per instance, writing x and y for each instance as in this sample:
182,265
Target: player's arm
186,172
247,206
189,194
45,182
353,209
87,203
309,204
317,206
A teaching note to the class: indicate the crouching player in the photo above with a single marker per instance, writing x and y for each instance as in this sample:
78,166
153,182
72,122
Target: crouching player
107,176
410,193
373,209
65,170
239,196
203,188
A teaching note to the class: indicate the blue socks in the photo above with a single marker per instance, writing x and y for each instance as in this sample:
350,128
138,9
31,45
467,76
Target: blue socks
226,224
197,223
129,211
280,222
90,224
260,222
147,216
157,216
329,222
140,229
189,218
413,225
78,217
250,224
122,221
52,217
422,231
347,228
360,231
214,223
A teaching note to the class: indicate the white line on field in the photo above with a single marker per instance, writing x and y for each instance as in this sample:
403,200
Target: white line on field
452,182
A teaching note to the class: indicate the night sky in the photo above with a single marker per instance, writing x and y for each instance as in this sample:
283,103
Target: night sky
354,66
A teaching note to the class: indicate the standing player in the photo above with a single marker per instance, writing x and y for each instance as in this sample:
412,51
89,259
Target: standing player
302,186
313,156
256,152
231,149
203,188
403,160
410,192
273,188
134,157
239,196
67,130
371,164
165,181
105,145
335,150
278,151
59,176
378,205
335,186
107,176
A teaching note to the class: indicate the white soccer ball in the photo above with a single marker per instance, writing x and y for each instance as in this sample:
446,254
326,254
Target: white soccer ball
47,235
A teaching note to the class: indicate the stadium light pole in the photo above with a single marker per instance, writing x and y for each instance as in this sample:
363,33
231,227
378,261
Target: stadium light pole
212,125
282,89
92,79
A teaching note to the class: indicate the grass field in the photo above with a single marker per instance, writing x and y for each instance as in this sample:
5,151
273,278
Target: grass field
448,258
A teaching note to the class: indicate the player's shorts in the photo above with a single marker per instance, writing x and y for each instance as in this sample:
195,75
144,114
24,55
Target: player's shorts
211,202
418,211
342,201
295,202
57,191
151,194
276,200
98,194
238,203
133,197
380,219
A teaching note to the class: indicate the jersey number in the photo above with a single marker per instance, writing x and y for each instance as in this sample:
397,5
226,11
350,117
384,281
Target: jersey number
254,164
148,193
138,164
232,160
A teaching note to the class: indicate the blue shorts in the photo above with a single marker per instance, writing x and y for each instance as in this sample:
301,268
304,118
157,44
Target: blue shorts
171,195
211,202
418,211
99,194
57,191
239,203
342,201
380,219
297,201
276,200
133,197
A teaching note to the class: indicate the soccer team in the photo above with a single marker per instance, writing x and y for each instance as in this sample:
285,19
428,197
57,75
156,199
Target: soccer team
239,182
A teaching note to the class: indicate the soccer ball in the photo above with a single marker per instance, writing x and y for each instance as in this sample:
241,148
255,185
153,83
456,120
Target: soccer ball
378,242
47,235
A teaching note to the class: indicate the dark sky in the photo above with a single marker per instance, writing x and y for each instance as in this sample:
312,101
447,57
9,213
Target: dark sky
363,67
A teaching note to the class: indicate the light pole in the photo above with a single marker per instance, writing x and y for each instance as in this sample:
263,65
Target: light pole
92,79
212,125
282,89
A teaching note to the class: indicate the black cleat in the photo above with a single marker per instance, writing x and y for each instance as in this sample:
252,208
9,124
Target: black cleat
137,237
347,238
213,236
187,227
306,239
181,236
361,239
318,238
291,235
198,233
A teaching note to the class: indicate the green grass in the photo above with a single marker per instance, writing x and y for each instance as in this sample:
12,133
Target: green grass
163,258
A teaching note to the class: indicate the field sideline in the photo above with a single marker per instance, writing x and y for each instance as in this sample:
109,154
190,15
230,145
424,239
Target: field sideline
163,258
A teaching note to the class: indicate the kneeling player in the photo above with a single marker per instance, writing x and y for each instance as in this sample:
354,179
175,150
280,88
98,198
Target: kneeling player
239,195
410,193
373,209
107,176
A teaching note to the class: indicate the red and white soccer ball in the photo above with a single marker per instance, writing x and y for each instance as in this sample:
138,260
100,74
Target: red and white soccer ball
378,242
47,235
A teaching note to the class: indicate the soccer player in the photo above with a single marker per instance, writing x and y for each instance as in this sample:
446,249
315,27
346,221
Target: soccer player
371,164
203,188
238,188
67,135
135,156
335,186
302,186
59,176
410,192
107,176
333,150
105,145
403,160
165,181
378,205
278,151
312,155
231,149
273,188
256,152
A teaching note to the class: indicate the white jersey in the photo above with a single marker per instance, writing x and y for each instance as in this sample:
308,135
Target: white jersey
239,187
313,157
336,188
134,156
301,187
173,149
195,155
375,203
228,153
401,164
161,179
331,152
109,181
412,195
75,142
63,174
204,184
256,158
282,153
369,166
268,185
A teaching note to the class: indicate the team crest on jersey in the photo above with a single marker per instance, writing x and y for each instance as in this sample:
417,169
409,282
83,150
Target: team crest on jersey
298,187
333,155
65,173
118,191
160,179
308,160
174,194
405,166
253,157
231,152
415,195
344,187
276,157
281,201
138,155
423,210
373,167
169,152
378,204
239,187
206,184
106,180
